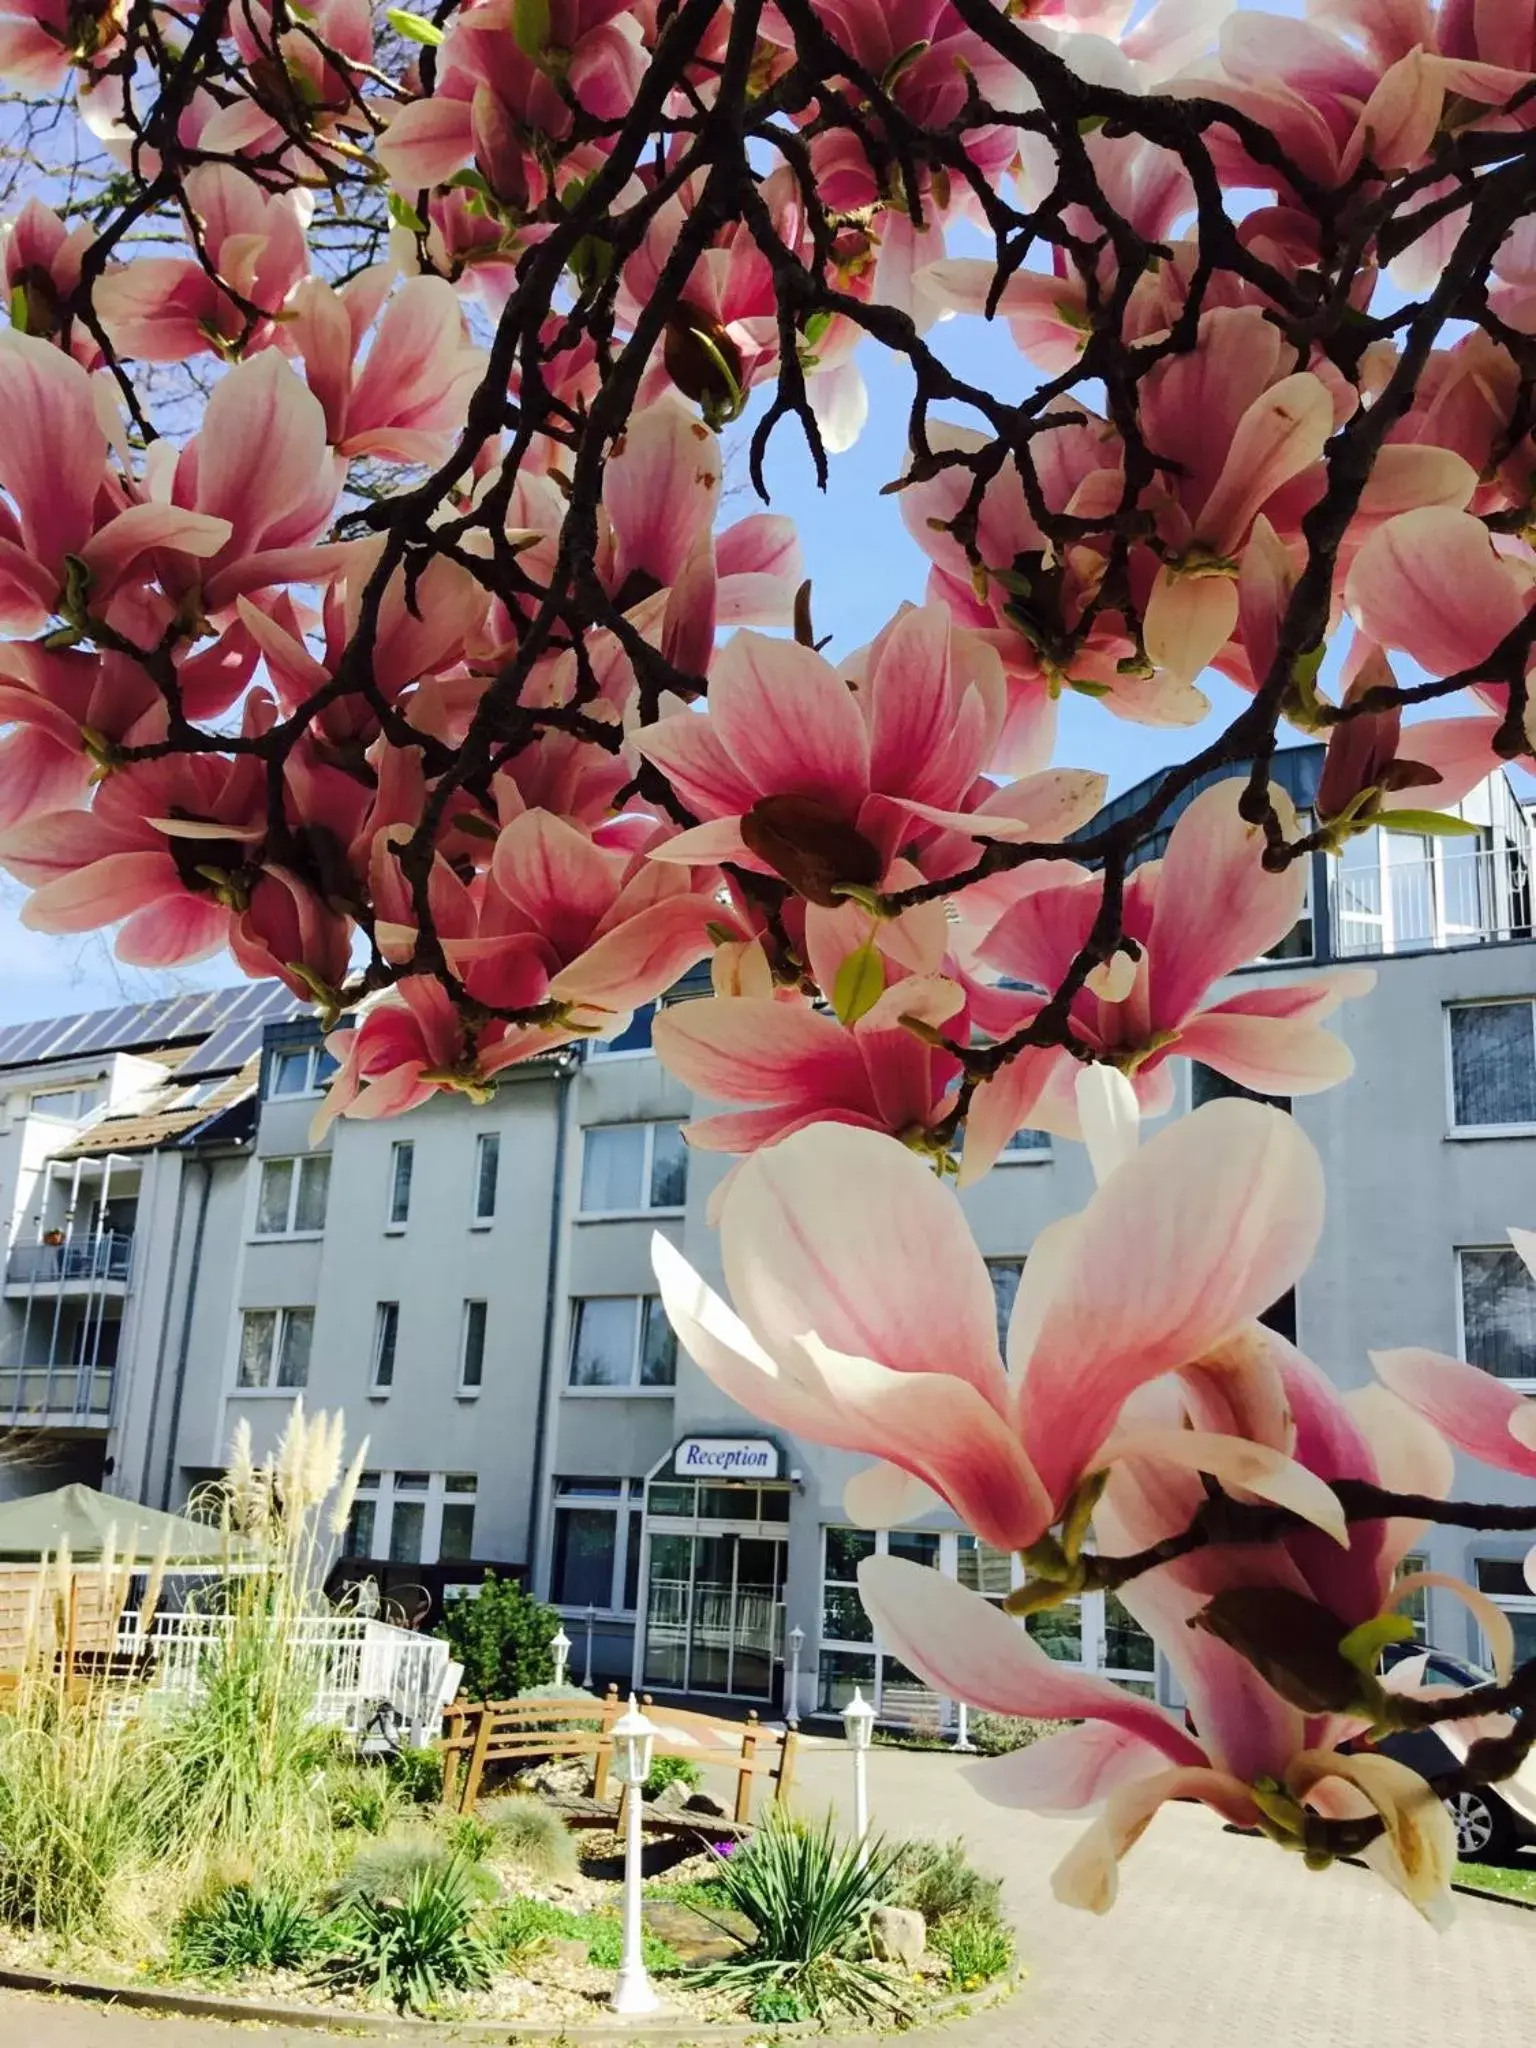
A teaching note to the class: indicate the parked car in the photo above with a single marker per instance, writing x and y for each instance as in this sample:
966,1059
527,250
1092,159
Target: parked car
1488,1824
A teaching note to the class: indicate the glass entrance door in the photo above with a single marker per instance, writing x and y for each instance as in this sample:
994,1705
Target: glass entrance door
714,1613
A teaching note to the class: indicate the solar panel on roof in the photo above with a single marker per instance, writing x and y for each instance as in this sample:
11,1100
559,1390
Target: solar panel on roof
233,1016
239,1037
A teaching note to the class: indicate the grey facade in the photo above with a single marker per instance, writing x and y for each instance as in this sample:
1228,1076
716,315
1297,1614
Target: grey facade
472,1285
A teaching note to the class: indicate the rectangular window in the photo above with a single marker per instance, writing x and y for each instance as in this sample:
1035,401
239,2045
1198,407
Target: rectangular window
386,1332
280,1337
635,1037
622,1340
1026,1144
487,1167
299,1070
292,1195
402,1156
472,1356
627,1169
413,1517
1005,1275
1493,1066
595,1558
1503,1580
456,1545
358,1541
1498,1312
406,1527
68,1104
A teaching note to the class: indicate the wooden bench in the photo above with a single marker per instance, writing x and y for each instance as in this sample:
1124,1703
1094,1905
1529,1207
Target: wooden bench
502,1731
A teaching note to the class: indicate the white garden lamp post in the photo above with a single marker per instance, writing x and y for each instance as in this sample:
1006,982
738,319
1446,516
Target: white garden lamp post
859,1727
792,1700
633,1739
963,1742
560,1646
586,1675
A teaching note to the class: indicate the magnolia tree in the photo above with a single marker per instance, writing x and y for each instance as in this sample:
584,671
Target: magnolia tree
371,613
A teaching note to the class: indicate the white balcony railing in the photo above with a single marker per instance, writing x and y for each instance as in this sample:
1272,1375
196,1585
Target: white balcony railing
1447,895
360,1666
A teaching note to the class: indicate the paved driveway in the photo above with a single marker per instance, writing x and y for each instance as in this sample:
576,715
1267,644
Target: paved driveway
1215,1941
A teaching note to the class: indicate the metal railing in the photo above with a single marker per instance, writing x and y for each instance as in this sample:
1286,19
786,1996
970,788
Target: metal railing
358,1667
1450,896
108,1256
57,1393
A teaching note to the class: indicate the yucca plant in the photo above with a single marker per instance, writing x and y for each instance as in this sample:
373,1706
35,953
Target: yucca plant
808,1897
417,1945
246,1927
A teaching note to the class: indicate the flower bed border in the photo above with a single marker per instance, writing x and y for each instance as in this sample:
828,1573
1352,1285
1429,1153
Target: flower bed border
664,2029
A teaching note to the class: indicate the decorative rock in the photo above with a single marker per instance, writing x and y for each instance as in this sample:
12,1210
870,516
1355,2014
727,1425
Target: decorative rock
897,1935
567,1949
570,1779
672,1797
706,1802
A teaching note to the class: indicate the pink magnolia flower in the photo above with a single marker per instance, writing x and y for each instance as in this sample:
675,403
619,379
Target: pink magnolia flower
166,308
493,96
40,40
1473,1408
832,1241
406,400
866,765
1208,907
67,536
41,268
1375,765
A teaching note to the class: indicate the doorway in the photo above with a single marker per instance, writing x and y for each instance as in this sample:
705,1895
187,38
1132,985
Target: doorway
714,1612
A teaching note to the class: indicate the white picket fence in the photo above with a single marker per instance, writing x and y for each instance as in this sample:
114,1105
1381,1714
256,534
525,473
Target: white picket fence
360,1665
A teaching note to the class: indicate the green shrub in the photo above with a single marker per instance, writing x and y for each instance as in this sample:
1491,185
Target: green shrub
363,1797
774,2006
938,1880
245,1927
387,1868
526,1832
671,1770
808,1897
417,1775
704,1895
521,1927
416,1945
975,1947
502,1638
605,1948
1001,1734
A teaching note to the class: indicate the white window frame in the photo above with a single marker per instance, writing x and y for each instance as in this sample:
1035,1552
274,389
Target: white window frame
296,1161
280,1313
74,1089
624,1505
402,1149
482,1219
650,1126
314,1080
1526,1385
1473,1133
471,1390
631,1389
1508,1603
380,1389
597,1048
381,1489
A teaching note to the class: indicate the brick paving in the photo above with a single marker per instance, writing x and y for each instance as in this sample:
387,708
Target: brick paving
1216,1942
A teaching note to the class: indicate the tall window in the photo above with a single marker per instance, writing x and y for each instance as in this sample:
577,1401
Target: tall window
402,1157
472,1350
487,1167
413,1517
292,1195
595,1556
386,1333
630,1167
1005,1275
1493,1066
622,1340
274,1347
1498,1312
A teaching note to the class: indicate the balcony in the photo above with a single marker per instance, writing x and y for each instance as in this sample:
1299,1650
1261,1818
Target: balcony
1403,893
58,1396
72,1266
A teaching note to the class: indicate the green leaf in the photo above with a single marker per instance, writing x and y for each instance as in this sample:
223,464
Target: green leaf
19,308
859,985
530,27
404,215
415,27
1438,824
1363,1645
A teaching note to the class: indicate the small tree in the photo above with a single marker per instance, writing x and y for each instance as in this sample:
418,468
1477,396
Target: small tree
502,1637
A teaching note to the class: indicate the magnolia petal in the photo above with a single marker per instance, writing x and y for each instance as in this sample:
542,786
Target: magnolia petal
1470,1407
882,1495
1417,1855
1282,433
1241,1467
1188,621
1110,1116
1068,1772
1490,1618
1089,1875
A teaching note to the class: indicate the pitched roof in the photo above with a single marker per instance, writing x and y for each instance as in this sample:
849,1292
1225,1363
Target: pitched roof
174,1109
223,1026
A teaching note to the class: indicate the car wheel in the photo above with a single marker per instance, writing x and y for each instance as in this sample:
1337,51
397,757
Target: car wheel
1482,1830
